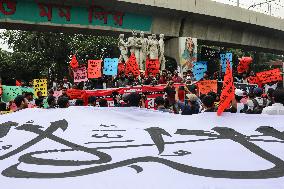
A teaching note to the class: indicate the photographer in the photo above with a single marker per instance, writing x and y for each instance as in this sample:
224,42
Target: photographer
170,91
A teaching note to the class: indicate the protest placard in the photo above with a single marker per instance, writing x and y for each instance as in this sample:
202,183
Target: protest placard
110,66
11,92
80,74
224,58
57,94
207,86
40,85
46,149
94,69
199,68
152,66
132,66
270,76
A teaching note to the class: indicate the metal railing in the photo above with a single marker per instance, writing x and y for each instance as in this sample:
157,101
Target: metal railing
270,7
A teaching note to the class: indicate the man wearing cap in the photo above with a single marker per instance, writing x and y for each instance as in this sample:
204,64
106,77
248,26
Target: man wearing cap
192,107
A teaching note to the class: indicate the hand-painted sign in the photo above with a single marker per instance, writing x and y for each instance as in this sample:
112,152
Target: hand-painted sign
48,149
63,14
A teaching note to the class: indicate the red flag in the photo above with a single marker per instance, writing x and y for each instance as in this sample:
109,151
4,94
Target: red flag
132,66
74,63
228,91
244,64
18,83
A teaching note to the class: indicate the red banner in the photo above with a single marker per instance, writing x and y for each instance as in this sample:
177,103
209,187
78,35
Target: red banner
107,93
150,101
254,80
270,76
76,94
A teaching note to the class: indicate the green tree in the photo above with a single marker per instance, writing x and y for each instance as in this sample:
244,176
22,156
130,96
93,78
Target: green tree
46,54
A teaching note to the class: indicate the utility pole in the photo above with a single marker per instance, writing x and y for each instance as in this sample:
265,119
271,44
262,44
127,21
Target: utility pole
238,3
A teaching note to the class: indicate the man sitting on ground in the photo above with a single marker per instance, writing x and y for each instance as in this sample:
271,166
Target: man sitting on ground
160,104
63,102
92,101
208,104
103,103
79,102
51,102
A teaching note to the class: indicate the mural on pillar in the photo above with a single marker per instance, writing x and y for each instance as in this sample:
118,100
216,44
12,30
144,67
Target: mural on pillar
188,52
34,12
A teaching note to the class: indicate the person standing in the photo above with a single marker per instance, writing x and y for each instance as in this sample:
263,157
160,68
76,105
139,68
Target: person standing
122,81
170,91
66,83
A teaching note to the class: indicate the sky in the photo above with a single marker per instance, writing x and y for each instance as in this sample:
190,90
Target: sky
4,45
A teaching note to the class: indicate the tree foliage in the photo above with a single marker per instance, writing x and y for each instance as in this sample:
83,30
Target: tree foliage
46,54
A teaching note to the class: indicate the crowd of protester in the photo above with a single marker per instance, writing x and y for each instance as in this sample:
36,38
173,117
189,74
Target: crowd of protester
184,100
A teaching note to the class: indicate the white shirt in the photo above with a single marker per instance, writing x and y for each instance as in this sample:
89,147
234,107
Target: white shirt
259,100
275,109
266,87
240,106
67,85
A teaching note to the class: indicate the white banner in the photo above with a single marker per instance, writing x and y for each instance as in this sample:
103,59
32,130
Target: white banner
131,148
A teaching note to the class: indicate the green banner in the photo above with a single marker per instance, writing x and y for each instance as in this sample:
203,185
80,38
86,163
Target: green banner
11,92
33,12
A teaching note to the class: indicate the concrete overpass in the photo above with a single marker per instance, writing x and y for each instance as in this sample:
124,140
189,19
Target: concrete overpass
206,20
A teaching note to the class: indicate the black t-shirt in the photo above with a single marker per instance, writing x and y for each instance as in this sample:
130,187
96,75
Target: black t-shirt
171,92
190,110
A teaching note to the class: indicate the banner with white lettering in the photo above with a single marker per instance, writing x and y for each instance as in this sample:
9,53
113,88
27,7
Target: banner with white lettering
87,148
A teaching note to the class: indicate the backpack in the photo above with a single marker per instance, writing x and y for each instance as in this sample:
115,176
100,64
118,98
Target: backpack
257,109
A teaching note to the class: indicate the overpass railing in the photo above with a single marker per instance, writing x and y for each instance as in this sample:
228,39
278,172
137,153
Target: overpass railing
270,7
